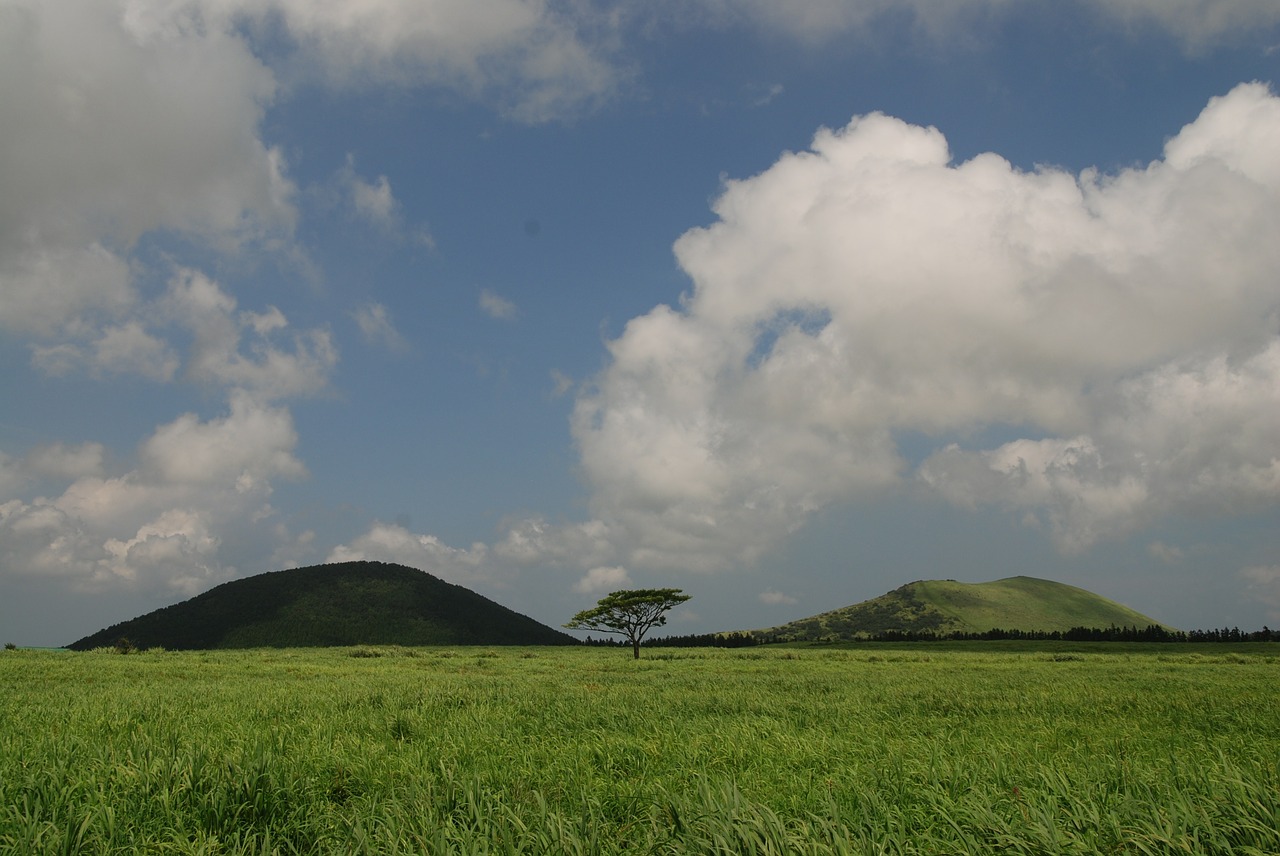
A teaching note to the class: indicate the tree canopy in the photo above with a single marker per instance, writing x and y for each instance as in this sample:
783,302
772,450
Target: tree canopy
630,613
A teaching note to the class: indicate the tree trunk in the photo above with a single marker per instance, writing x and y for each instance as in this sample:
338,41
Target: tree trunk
635,645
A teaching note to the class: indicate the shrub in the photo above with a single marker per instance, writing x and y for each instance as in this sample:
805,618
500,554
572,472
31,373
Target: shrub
9,646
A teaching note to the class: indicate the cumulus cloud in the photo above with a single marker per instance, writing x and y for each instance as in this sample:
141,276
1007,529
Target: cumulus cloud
561,383
374,203
130,349
389,542
176,545
109,136
1196,436
59,460
133,118
158,527
48,286
228,348
775,598
603,580
11,477
250,445
241,349
374,321
1197,23
536,61
533,540
1120,327
127,349
130,117
496,306
56,463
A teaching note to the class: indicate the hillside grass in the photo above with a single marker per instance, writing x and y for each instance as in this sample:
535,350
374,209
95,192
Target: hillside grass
1028,748
338,604
943,607
1024,603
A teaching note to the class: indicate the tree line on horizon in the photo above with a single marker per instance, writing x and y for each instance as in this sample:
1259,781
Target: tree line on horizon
1113,633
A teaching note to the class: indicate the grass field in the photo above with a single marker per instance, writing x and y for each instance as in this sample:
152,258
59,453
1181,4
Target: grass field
873,749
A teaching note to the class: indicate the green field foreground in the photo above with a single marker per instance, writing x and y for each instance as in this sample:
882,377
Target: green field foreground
942,749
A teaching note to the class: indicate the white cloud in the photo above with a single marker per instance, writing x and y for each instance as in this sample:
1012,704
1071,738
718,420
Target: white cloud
218,352
769,95
561,383
535,60
162,526
496,306
177,546
1166,553
388,542
108,137
1198,24
46,288
127,117
56,462
1083,497
868,287
292,551
374,203
533,540
603,580
173,551
242,450
12,478
228,348
1264,583
130,118
374,321
775,598
1196,436
1123,324
129,349
62,461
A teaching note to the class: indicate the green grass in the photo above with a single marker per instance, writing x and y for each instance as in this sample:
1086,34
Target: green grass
947,606
338,604
1025,602
875,749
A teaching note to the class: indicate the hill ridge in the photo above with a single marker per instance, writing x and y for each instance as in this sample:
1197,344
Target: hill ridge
1023,603
345,603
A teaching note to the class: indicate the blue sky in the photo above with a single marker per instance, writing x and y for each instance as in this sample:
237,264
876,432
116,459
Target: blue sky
783,303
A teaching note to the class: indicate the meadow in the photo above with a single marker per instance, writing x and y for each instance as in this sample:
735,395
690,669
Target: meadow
943,749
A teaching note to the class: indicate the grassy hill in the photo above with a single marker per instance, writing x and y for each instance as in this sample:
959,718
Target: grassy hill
946,606
350,603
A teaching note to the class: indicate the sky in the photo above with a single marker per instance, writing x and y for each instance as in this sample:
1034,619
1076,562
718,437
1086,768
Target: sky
785,303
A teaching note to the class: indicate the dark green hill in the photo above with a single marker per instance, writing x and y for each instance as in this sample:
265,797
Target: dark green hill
946,606
351,603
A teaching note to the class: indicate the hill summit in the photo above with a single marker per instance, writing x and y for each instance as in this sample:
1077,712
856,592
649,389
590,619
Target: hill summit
947,606
348,603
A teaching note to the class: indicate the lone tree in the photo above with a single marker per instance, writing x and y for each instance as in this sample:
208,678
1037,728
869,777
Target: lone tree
630,613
